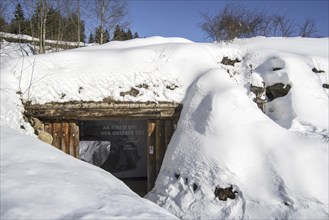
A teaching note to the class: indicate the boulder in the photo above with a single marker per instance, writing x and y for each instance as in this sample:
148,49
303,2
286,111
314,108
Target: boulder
45,137
260,98
225,193
228,61
132,92
277,90
36,124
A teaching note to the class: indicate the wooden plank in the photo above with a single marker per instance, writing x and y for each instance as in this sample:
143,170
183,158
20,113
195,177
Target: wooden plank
159,145
65,138
169,131
151,172
78,110
76,140
57,134
71,139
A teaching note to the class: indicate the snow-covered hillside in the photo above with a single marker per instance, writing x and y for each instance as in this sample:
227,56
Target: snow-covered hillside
276,162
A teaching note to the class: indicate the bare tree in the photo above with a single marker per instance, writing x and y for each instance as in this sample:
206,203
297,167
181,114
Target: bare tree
30,8
109,13
308,28
282,25
42,9
231,22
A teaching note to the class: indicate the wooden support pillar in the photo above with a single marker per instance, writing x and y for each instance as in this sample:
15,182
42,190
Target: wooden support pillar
74,140
151,159
65,138
160,144
57,135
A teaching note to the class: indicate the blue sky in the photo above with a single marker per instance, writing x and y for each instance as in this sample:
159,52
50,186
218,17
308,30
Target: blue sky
180,18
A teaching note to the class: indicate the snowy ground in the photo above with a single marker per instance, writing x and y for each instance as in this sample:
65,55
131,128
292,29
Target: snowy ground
277,162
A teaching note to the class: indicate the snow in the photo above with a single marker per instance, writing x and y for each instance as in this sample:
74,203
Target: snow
39,181
276,161
266,164
29,38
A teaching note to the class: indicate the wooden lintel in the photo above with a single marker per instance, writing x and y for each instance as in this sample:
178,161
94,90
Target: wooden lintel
97,110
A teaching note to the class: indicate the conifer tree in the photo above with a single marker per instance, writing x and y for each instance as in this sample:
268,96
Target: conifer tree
101,38
129,35
136,35
118,33
3,24
18,23
91,38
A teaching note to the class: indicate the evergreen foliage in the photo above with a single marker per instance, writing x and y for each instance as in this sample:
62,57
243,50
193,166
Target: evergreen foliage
18,24
62,22
136,35
4,26
120,34
106,36
129,35
91,39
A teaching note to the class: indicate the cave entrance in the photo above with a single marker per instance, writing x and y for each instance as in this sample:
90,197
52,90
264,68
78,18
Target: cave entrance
119,147
126,139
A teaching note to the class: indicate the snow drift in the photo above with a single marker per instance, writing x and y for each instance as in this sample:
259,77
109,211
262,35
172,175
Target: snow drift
276,163
276,173
38,181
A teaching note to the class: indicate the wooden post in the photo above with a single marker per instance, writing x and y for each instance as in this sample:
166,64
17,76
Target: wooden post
76,140
65,138
72,134
160,145
151,171
57,133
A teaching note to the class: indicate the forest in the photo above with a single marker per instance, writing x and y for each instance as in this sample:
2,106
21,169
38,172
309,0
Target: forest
104,20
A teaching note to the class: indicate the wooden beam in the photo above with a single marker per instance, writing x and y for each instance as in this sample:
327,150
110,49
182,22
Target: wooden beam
160,144
57,134
98,110
151,151
65,138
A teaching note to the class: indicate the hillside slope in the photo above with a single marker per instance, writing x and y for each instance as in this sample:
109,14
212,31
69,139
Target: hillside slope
276,161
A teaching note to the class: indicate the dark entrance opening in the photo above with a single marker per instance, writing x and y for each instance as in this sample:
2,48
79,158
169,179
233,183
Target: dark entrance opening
119,147
104,132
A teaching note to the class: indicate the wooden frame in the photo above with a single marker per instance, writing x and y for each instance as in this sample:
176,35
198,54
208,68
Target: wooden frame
61,121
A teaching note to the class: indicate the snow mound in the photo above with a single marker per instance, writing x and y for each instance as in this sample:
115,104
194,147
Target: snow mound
138,42
276,163
222,139
38,181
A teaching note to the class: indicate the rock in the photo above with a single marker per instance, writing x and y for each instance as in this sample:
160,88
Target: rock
171,86
228,61
224,193
277,90
36,124
317,71
276,68
143,85
108,99
132,92
326,86
260,98
45,137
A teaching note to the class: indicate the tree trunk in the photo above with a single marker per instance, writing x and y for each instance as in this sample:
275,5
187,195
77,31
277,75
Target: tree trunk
79,23
102,21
